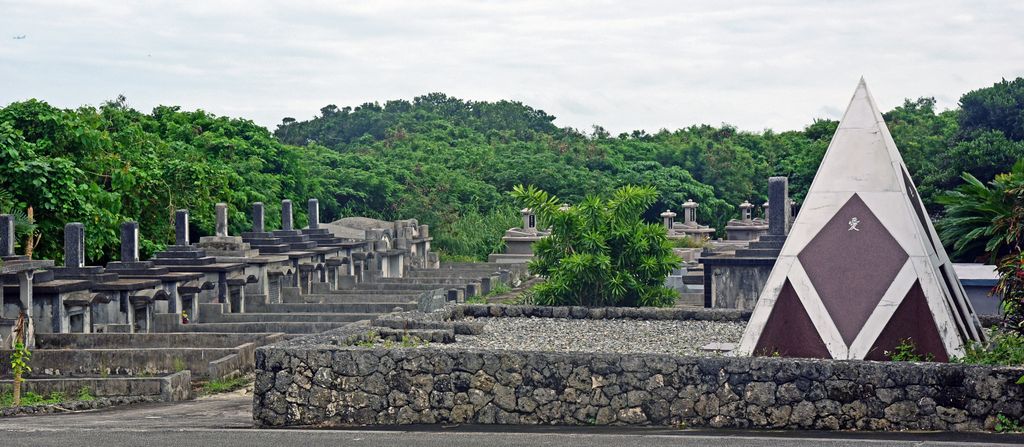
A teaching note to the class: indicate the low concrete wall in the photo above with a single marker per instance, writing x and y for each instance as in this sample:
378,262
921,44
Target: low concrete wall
169,388
323,380
734,283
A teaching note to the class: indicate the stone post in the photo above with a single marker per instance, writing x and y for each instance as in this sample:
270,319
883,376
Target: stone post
74,245
778,204
181,228
130,242
313,207
222,219
745,212
6,235
286,215
669,218
257,218
690,212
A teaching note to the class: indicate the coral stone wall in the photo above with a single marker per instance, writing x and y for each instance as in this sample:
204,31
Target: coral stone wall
321,382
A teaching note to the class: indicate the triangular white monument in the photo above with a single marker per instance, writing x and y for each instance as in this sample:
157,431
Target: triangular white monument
863,269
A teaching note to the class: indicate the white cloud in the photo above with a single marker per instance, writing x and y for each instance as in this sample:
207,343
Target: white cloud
623,65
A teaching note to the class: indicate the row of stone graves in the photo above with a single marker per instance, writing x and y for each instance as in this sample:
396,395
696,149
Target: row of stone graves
205,306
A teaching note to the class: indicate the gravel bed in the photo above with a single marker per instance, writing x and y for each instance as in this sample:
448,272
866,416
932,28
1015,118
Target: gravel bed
680,337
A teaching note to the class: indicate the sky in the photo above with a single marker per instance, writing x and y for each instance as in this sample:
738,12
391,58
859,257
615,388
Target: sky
623,65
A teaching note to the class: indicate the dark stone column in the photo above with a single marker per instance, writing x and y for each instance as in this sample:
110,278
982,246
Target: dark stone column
181,227
130,242
74,245
6,235
257,217
314,213
286,215
778,205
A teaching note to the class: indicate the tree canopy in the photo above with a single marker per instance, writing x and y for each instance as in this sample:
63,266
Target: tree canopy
448,162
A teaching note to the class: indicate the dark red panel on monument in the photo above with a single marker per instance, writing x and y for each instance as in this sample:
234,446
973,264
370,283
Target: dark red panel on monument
912,320
789,331
851,262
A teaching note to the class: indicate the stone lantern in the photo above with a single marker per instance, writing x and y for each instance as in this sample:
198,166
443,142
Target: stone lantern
669,218
689,212
745,210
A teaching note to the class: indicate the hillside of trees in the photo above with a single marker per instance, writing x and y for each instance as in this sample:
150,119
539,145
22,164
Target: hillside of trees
448,162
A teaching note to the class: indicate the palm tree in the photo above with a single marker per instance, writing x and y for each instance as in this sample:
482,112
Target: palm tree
985,220
24,225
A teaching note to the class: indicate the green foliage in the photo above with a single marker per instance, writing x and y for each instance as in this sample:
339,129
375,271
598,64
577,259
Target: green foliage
1010,289
985,220
1004,424
19,361
497,290
179,364
1002,348
906,351
31,398
442,160
600,251
226,385
85,394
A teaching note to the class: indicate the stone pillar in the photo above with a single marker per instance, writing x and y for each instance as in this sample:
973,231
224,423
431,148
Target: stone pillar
689,212
314,213
766,207
669,218
25,295
6,235
529,220
257,218
286,215
130,242
181,228
745,208
222,219
74,245
778,204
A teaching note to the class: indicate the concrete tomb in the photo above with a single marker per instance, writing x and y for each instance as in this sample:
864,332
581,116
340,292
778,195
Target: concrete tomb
863,269
689,227
519,241
735,281
747,227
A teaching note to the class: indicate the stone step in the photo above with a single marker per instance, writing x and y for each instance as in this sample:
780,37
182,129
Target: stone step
145,341
758,253
334,307
696,279
690,300
354,298
275,326
288,317
126,361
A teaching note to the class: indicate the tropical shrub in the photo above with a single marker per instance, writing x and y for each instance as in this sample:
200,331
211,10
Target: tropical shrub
600,251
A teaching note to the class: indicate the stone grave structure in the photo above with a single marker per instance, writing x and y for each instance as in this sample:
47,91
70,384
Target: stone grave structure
747,227
863,269
184,257
16,271
689,228
80,298
519,241
735,280
179,286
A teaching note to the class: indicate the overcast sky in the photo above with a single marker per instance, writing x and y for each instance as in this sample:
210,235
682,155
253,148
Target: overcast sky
624,65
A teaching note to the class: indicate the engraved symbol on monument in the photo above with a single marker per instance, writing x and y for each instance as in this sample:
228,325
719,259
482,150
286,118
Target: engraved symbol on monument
853,224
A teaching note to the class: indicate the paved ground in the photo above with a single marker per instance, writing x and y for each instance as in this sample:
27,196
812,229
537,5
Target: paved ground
225,421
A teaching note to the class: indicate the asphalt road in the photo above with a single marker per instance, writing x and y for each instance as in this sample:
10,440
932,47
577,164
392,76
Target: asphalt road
226,421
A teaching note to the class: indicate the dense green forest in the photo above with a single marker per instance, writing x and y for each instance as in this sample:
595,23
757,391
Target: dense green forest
448,162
